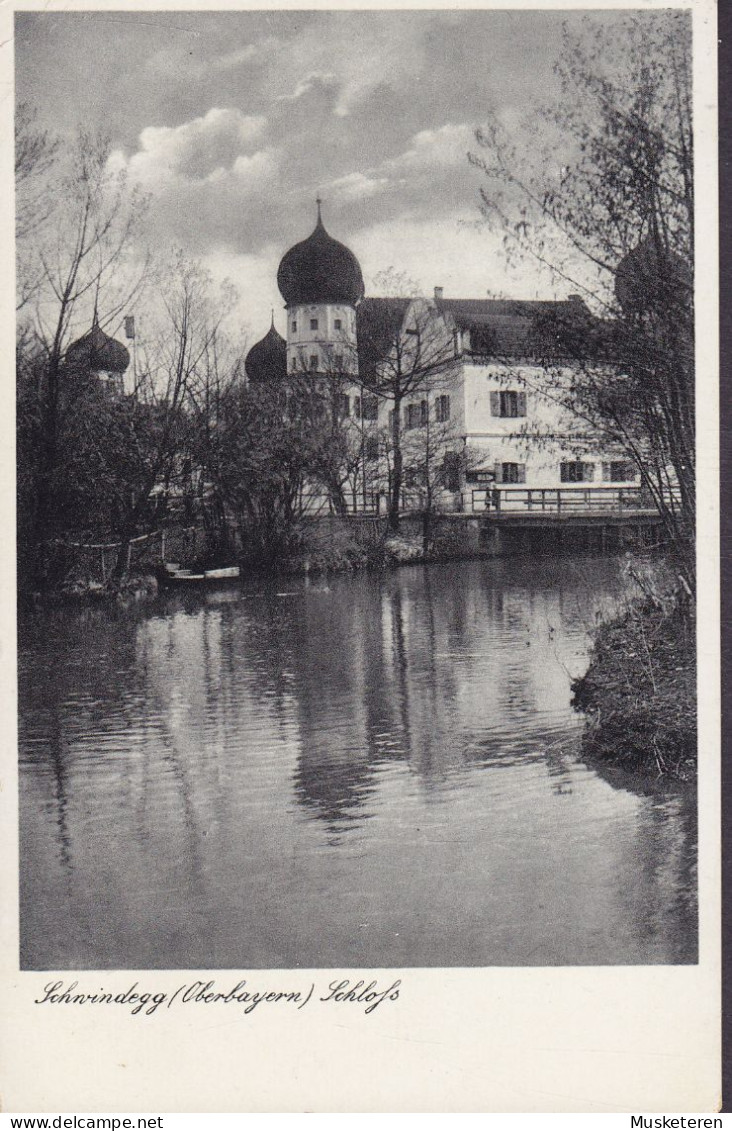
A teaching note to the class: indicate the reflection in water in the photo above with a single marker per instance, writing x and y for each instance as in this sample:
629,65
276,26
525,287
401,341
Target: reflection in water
379,771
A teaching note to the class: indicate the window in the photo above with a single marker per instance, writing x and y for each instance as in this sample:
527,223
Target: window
357,407
294,326
442,409
294,365
424,413
413,415
619,471
342,406
372,447
508,403
313,323
338,325
313,361
338,361
370,407
510,473
575,471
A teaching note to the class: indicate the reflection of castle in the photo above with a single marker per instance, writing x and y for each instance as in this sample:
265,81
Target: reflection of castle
488,365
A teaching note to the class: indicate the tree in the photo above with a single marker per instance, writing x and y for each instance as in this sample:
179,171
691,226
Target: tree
601,194
36,151
278,447
171,419
83,256
404,351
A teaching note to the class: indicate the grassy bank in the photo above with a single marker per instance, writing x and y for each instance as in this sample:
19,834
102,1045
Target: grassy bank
639,693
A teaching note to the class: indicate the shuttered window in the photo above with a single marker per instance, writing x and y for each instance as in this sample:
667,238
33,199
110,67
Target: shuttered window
508,403
413,415
442,409
619,471
576,471
510,472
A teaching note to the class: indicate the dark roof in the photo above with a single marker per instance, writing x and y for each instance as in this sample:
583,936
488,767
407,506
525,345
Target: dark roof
320,269
519,328
378,322
267,359
97,351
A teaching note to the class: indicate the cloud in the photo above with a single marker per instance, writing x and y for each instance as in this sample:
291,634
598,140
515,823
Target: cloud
356,186
316,81
443,147
454,252
195,150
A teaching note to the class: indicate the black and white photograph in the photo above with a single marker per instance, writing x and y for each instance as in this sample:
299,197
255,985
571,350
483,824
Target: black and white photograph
356,487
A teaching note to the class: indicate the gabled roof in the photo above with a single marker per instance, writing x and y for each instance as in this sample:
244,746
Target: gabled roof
517,328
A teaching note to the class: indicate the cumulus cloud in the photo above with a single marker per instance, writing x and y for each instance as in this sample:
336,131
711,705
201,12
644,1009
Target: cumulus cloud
444,147
195,150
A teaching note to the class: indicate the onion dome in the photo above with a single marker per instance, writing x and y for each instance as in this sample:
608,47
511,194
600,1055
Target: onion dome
267,359
648,277
320,270
96,352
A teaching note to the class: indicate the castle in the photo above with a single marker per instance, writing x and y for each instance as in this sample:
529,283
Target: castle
472,379
474,383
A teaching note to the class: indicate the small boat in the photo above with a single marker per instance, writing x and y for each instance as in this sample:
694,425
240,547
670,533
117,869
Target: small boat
171,573
225,573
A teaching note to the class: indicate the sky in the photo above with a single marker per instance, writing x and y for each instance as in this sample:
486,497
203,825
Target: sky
234,122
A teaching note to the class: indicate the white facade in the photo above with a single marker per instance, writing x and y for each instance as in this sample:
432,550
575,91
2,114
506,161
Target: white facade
321,337
498,419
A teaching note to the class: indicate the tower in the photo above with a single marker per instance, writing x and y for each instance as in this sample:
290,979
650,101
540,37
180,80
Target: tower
97,355
321,282
267,359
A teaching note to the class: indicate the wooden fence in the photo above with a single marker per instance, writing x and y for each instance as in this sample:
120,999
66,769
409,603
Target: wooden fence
97,561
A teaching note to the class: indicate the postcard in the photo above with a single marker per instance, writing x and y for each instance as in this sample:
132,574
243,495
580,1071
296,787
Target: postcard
362,559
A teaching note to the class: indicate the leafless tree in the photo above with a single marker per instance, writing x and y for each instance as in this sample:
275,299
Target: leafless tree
602,195
84,255
404,351
36,151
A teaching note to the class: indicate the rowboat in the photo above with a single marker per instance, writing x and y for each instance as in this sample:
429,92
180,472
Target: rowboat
171,573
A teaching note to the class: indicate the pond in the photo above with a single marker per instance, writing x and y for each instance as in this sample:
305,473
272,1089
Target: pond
364,771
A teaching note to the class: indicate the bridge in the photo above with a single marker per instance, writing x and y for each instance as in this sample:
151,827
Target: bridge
508,504
508,518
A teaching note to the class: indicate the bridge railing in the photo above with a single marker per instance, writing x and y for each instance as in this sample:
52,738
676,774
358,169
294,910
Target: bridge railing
566,500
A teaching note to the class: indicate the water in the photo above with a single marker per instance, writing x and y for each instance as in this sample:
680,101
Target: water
372,771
